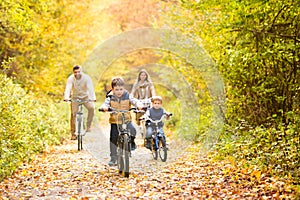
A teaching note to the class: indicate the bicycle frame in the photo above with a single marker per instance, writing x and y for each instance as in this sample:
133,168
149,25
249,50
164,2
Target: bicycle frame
156,135
79,127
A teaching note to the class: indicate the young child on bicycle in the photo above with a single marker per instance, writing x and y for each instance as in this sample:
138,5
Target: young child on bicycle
155,113
120,99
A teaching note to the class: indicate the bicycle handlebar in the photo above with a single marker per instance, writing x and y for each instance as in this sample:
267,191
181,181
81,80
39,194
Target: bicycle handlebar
79,100
143,110
146,101
112,110
156,121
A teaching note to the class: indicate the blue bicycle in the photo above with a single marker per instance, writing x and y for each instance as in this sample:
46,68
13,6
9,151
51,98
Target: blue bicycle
159,144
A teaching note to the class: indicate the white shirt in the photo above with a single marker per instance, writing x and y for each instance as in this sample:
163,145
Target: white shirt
80,88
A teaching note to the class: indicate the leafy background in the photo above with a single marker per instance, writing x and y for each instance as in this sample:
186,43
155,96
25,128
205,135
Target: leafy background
254,43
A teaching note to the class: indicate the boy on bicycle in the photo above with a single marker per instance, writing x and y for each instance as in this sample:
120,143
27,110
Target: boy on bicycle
120,99
155,113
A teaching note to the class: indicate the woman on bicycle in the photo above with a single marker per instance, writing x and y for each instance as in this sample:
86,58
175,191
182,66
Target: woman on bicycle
142,89
155,113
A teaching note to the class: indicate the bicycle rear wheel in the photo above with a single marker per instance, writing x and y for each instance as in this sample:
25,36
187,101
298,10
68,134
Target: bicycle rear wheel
79,138
162,149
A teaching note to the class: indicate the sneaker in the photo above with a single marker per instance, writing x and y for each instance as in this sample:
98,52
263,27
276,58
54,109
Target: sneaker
148,146
112,162
147,143
88,130
133,146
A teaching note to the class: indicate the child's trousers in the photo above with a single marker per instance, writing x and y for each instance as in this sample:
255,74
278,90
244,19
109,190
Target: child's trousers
149,131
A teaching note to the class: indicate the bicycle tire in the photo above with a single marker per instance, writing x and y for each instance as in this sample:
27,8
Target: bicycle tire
162,149
79,136
120,161
126,155
154,149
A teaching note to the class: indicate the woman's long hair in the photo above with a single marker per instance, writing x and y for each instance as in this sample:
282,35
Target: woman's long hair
148,79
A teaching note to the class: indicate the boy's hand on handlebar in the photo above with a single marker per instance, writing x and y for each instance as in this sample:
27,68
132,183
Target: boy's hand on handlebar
168,115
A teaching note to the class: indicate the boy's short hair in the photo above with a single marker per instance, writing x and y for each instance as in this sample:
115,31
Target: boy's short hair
117,81
156,98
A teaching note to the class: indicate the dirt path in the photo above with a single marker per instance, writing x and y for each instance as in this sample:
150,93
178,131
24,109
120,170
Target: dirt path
65,173
97,144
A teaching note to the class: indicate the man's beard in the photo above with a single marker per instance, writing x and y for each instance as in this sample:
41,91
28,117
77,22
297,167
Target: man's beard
78,76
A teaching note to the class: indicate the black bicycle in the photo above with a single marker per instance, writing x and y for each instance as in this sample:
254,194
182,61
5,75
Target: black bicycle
123,144
80,130
159,144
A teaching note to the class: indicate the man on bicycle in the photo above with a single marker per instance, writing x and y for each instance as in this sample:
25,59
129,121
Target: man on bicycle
80,86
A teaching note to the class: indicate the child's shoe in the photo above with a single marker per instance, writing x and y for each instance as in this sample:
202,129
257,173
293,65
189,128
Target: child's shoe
112,162
133,145
147,143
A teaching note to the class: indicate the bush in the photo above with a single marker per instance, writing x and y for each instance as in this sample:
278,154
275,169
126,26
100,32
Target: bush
274,149
27,126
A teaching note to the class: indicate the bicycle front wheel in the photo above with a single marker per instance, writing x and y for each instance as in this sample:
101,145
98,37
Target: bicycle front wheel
126,155
123,155
154,149
162,149
79,136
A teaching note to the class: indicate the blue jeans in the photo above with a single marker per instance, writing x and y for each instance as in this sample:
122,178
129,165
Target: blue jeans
150,129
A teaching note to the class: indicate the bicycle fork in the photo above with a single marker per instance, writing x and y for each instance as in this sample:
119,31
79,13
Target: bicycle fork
156,138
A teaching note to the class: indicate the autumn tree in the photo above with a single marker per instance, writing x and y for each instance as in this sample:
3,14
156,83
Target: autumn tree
255,45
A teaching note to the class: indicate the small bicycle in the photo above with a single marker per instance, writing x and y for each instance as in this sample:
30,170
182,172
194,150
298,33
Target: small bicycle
123,144
146,105
159,144
79,122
